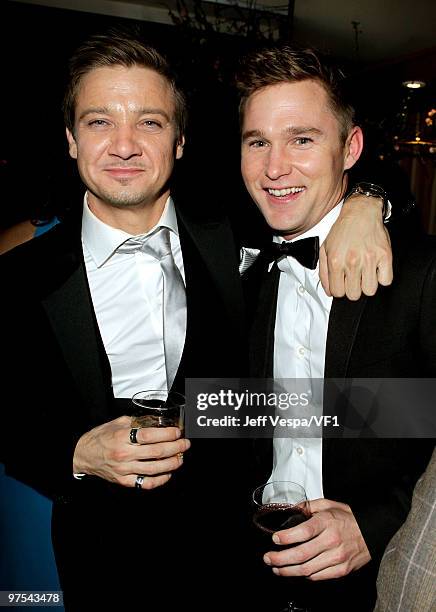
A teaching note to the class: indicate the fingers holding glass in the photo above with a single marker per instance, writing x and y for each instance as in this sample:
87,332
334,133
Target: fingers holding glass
153,410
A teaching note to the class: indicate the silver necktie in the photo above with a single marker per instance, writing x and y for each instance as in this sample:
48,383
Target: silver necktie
158,245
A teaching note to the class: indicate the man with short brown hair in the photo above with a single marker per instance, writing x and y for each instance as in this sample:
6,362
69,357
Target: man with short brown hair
298,141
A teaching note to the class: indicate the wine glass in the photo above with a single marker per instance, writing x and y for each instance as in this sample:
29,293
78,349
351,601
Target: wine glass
281,504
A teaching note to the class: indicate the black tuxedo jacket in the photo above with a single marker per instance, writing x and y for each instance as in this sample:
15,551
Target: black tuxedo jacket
390,335
56,385
54,352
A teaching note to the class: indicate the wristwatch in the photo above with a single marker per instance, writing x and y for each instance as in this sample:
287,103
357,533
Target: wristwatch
373,191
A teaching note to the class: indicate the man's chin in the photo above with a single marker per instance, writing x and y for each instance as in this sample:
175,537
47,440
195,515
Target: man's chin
122,200
280,229
289,233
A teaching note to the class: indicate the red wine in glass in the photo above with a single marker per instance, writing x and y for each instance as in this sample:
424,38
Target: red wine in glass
281,505
277,516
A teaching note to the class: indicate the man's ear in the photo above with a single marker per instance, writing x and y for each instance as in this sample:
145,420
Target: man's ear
72,146
353,147
179,147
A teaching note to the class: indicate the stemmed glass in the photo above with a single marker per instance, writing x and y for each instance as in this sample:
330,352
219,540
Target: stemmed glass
281,504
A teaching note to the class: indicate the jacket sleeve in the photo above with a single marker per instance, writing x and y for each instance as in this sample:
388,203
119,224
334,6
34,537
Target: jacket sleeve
40,422
379,520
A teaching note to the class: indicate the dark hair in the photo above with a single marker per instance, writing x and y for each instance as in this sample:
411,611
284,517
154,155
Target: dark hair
119,48
281,64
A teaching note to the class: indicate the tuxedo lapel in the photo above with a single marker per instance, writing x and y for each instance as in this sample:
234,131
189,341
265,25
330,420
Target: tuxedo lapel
215,334
69,309
344,321
215,244
264,318
261,292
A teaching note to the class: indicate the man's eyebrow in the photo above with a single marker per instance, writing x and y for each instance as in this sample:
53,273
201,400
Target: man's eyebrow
94,110
103,110
298,130
253,134
154,111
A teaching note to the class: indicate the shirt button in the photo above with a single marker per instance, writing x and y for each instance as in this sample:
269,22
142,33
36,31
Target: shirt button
301,289
301,351
300,451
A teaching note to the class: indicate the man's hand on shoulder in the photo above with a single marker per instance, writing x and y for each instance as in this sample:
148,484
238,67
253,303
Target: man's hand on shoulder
356,256
332,544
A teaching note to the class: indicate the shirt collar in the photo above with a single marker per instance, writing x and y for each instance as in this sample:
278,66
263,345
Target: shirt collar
102,240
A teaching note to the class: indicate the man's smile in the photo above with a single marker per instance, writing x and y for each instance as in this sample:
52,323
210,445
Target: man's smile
283,191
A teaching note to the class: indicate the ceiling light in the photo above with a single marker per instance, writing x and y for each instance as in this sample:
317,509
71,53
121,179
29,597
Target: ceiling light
414,84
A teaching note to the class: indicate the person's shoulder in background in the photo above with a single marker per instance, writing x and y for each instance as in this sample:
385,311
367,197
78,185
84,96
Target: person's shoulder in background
24,231
406,580
11,237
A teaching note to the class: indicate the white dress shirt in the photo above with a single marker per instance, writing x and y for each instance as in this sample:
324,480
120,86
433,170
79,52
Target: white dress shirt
127,294
303,311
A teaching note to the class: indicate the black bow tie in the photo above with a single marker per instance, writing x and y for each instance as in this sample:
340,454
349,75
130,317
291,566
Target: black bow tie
305,251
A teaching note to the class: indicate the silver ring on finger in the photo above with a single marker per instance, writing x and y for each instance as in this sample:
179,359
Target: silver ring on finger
138,482
132,435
